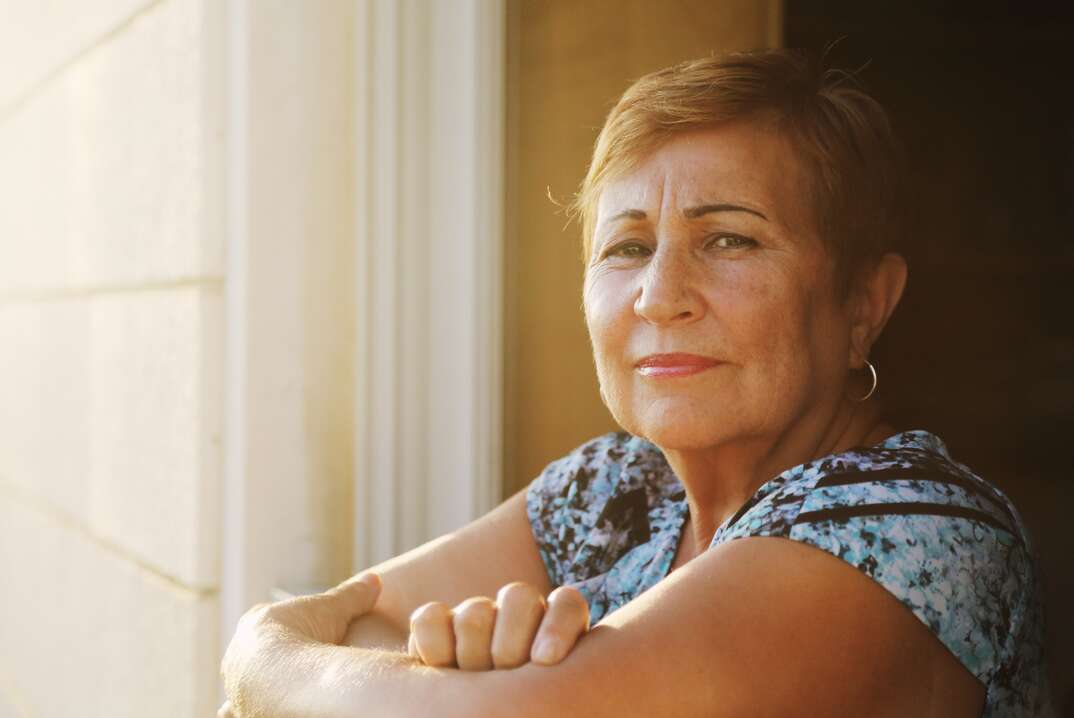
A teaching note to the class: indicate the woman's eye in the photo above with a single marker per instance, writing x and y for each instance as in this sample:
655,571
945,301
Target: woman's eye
628,250
730,241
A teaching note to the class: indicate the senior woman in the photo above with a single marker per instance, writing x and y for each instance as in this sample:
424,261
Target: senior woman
758,540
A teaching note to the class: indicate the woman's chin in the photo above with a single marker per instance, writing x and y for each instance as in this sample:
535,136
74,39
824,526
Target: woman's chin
686,439
680,427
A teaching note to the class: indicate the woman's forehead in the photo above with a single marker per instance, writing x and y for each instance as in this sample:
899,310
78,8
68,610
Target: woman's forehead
741,163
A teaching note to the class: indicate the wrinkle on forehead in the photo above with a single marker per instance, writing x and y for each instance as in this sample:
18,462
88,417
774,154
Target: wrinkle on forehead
741,163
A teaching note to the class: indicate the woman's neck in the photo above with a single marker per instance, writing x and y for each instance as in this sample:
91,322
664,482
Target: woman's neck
720,479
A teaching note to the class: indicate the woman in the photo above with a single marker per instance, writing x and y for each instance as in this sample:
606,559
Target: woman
750,544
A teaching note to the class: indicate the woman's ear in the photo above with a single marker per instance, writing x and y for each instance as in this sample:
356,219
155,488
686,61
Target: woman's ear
874,301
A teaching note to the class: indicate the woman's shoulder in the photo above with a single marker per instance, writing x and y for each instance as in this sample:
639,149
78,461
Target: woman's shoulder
910,473
945,542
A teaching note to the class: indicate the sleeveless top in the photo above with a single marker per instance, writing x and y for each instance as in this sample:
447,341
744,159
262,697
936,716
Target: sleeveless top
946,543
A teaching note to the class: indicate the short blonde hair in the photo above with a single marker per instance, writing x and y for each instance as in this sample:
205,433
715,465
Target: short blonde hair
844,137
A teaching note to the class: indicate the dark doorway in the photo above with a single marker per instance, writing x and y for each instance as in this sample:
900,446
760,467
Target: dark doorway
981,351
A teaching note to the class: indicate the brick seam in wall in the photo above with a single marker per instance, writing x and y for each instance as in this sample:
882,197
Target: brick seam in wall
45,508
24,97
31,296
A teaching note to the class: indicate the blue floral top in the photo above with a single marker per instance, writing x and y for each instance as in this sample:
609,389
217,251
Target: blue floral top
949,545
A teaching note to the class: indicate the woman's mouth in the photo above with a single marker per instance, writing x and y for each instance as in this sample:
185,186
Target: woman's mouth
672,365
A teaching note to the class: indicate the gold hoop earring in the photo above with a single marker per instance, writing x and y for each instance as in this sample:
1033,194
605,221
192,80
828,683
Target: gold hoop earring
872,389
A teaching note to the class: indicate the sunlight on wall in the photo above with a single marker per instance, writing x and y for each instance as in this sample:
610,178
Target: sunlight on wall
110,329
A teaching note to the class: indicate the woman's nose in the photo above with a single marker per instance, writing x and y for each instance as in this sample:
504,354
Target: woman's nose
667,295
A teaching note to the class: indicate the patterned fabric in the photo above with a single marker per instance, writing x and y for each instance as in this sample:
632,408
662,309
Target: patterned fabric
949,545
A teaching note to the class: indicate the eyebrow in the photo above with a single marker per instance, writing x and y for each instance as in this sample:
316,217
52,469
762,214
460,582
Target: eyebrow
627,214
695,212
691,212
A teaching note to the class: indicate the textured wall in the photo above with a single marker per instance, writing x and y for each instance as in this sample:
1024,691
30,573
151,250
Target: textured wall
110,357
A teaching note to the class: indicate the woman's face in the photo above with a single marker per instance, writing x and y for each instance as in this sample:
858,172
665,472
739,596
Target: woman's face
709,252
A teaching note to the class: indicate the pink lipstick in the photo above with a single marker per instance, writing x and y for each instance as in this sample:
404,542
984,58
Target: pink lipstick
672,365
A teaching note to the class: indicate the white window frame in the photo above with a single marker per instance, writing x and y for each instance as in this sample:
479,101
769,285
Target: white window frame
430,203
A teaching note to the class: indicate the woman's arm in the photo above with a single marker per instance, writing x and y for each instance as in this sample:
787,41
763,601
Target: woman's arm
758,626
476,560
276,658
284,661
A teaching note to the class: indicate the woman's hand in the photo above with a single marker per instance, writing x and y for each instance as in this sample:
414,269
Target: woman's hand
267,632
520,626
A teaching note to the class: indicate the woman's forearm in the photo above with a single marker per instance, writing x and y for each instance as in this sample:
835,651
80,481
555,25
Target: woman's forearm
286,660
348,682
301,678
366,683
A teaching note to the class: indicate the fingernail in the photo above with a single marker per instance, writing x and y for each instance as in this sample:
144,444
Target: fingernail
546,651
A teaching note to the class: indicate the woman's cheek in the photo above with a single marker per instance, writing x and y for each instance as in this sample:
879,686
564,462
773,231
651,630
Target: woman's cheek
605,349
607,312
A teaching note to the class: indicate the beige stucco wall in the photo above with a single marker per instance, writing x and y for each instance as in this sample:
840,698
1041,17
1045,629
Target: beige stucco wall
111,286
569,62
138,140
